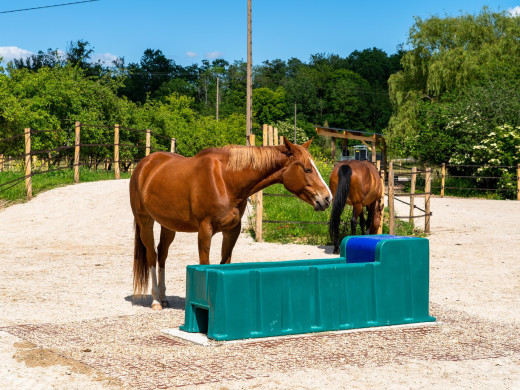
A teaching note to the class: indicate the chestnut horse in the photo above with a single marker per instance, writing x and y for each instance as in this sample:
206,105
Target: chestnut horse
357,183
207,194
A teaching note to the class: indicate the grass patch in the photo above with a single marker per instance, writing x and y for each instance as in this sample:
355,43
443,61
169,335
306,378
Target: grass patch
293,209
15,192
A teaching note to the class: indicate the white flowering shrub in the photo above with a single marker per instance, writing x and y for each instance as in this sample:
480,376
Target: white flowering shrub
286,129
498,154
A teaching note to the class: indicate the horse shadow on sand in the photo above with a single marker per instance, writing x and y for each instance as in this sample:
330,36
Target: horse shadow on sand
174,302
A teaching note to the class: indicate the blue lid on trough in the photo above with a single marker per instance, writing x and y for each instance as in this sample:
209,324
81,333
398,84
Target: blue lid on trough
362,249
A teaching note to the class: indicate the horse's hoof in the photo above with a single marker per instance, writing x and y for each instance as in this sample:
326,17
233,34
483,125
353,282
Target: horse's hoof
156,306
165,304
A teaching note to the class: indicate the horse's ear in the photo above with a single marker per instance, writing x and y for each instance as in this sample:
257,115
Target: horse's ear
307,144
289,145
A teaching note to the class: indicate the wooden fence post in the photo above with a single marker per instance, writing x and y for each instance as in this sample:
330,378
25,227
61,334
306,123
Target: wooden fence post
1,162
259,215
173,145
271,142
518,182
443,179
382,203
427,190
77,128
281,140
116,152
48,161
275,136
259,198
374,151
412,193
391,212
28,178
148,136
252,142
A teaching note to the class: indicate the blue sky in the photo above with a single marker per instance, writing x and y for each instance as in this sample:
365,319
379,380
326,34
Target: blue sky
190,31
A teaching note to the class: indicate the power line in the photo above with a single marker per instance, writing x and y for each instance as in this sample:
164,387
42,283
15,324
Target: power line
47,6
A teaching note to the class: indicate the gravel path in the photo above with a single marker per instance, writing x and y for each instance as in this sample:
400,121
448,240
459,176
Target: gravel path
67,319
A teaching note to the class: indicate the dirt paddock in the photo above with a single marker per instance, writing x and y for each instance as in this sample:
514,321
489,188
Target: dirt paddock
68,321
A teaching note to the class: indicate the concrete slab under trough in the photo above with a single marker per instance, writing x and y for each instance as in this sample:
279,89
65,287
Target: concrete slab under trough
203,340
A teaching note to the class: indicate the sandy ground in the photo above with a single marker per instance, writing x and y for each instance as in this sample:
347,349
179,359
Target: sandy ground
67,264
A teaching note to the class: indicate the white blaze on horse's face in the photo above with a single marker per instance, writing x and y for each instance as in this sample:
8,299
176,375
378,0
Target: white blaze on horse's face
323,200
303,179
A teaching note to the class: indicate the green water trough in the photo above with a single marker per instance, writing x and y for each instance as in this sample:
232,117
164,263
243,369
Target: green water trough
377,280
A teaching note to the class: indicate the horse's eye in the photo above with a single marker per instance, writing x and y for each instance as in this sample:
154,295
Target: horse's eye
308,170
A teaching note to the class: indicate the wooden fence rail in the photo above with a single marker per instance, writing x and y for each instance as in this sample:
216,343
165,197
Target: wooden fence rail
29,156
444,175
392,195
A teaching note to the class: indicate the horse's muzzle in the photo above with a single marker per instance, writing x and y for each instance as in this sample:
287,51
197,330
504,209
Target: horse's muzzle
321,204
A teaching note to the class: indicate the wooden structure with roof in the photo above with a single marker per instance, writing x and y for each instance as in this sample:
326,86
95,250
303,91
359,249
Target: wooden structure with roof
373,141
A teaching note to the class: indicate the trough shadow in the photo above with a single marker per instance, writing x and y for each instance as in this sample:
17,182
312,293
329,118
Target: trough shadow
327,249
174,302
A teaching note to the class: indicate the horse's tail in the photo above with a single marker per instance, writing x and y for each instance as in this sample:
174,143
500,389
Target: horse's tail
340,200
141,270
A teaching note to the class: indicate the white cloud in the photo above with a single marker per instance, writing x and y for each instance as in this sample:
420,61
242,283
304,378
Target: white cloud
9,53
106,58
191,54
214,54
514,11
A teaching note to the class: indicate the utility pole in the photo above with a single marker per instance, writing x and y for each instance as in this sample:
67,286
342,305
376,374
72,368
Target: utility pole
249,93
294,122
217,99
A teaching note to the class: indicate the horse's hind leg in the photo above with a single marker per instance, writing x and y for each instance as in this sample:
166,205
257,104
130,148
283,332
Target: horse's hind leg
374,212
370,219
362,222
357,209
146,234
165,241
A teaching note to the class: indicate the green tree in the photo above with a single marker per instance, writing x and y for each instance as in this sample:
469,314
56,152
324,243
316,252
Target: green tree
148,76
53,98
272,74
269,106
374,65
448,57
347,97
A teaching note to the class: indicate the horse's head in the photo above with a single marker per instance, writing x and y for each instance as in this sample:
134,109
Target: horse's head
302,178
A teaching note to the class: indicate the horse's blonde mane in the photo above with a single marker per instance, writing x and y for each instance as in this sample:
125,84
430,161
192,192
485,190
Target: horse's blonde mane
255,157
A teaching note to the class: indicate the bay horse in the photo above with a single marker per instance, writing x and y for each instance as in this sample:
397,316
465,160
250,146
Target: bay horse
207,194
358,184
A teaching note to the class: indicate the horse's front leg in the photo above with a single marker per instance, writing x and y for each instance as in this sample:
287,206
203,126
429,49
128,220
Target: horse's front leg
165,241
204,238
229,239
